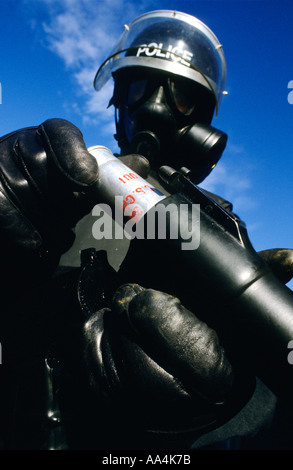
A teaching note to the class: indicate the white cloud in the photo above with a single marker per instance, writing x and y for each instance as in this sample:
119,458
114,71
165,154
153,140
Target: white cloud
83,33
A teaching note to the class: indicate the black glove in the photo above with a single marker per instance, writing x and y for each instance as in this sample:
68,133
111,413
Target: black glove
156,368
280,260
43,173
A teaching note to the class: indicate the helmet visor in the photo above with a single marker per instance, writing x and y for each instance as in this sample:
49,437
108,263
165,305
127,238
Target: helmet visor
173,42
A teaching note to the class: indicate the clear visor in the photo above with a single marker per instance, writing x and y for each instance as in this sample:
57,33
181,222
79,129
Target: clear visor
173,42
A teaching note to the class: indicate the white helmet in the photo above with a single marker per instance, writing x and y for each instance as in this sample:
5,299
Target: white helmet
173,42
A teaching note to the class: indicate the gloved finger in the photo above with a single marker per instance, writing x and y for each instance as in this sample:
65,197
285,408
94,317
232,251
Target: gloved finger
16,227
35,202
177,340
137,163
37,209
64,143
20,197
280,260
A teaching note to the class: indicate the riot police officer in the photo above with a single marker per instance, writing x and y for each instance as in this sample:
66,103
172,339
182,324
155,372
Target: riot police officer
137,370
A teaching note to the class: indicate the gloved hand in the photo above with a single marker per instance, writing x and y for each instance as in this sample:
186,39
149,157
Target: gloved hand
44,174
157,366
280,260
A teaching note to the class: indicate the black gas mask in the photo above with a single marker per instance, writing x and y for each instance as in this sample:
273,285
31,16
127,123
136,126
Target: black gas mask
167,119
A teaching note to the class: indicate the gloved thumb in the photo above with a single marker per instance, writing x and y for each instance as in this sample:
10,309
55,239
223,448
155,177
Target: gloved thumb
64,143
177,340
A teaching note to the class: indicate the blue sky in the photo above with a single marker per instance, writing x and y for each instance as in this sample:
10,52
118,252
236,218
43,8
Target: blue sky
50,51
